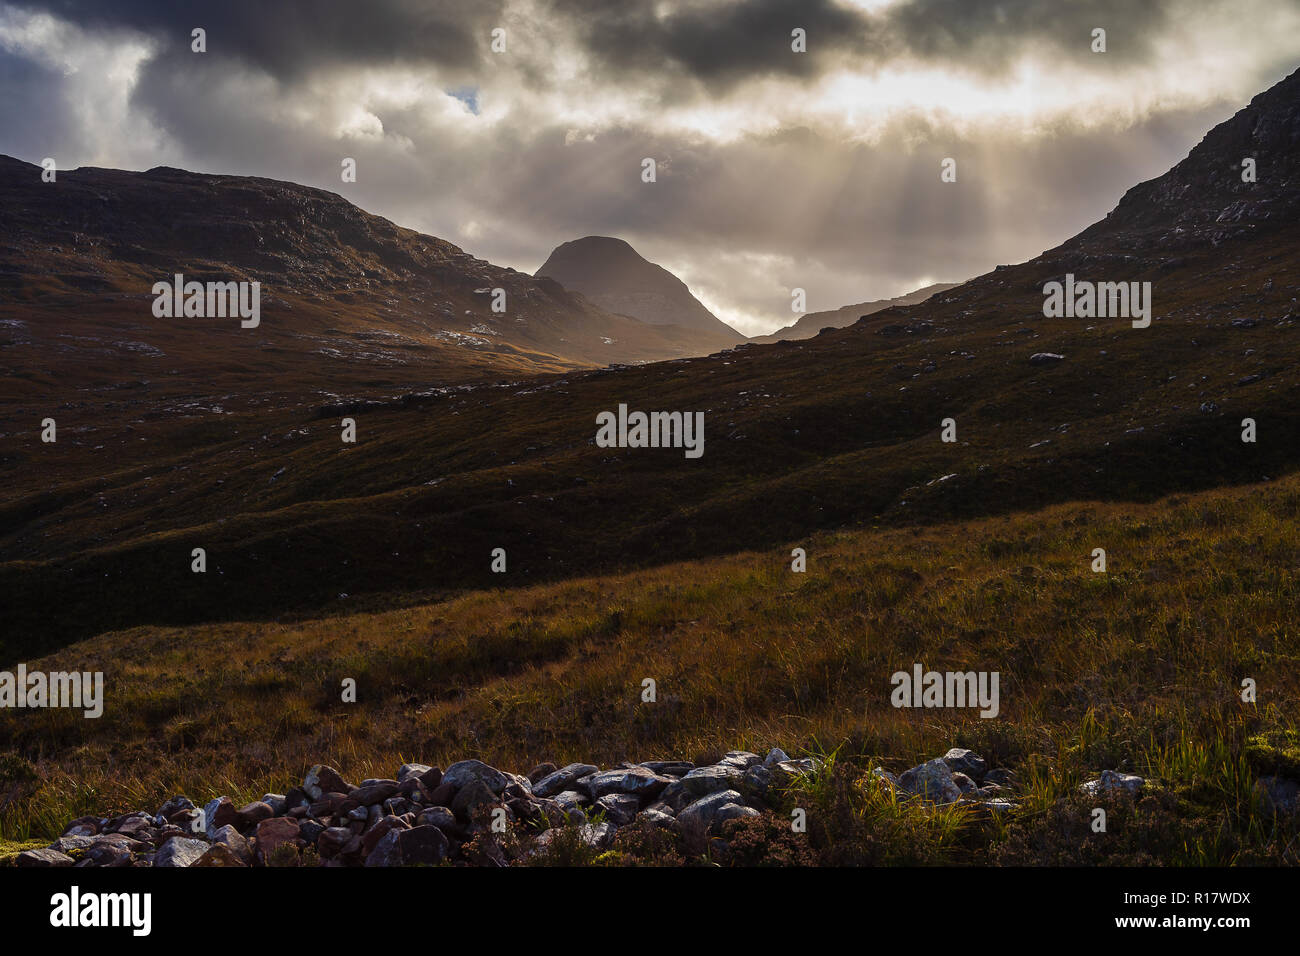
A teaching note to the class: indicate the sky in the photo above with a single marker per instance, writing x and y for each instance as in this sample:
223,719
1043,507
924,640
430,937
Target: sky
775,169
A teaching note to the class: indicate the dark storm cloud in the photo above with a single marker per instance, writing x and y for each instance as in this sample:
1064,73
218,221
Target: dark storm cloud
33,133
291,40
722,44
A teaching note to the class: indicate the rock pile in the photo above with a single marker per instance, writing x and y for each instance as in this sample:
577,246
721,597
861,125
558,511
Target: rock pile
427,815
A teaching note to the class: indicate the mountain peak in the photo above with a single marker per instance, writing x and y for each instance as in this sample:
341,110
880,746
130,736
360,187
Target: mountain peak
613,275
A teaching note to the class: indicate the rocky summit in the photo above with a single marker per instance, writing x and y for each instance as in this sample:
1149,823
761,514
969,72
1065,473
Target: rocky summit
474,814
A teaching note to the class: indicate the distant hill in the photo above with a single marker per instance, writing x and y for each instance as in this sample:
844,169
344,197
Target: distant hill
348,297
614,276
811,323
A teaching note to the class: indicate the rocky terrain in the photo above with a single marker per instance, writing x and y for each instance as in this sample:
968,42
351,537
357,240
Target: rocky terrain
426,815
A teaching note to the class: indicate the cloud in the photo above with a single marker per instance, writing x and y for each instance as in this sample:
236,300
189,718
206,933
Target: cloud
776,169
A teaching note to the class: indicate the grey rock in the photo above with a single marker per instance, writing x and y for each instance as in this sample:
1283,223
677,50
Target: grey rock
1001,777
374,791
1112,781
758,780
656,818
620,808
1045,358
180,851
276,801
882,776
465,772
409,769
931,781
217,814
232,838
698,818
43,858
774,756
560,780
174,806
637,780
742,760
967,762
669,768
471,798
705,780
440,817
571,799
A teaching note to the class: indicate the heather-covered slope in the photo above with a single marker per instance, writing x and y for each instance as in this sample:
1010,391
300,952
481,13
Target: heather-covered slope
837,430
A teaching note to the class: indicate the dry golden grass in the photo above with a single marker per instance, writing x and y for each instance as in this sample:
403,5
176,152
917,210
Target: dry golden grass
1137,668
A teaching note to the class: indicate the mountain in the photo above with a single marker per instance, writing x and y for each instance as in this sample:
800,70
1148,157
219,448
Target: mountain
614,276
347,297
842,430
810,323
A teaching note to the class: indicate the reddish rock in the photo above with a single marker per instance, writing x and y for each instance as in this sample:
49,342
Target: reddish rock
274,833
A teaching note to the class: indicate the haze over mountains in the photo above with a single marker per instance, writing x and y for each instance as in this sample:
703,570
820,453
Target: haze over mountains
835,430
810,323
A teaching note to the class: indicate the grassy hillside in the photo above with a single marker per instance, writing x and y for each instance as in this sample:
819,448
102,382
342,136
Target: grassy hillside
1139,669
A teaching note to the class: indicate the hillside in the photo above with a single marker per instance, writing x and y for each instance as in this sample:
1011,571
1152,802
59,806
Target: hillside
811,323
612,274
348,298
1137,668
839,430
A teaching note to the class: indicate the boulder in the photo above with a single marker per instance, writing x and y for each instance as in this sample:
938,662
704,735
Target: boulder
636,780
180,851
541,771
253,814
321,779
229,836
218,854
43,858
465,772
740,759
1112,781
774,756
471,798
699,817
557,781
274,833
619,808
372,792
669,768
931,781
705,780
217,814
967,762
